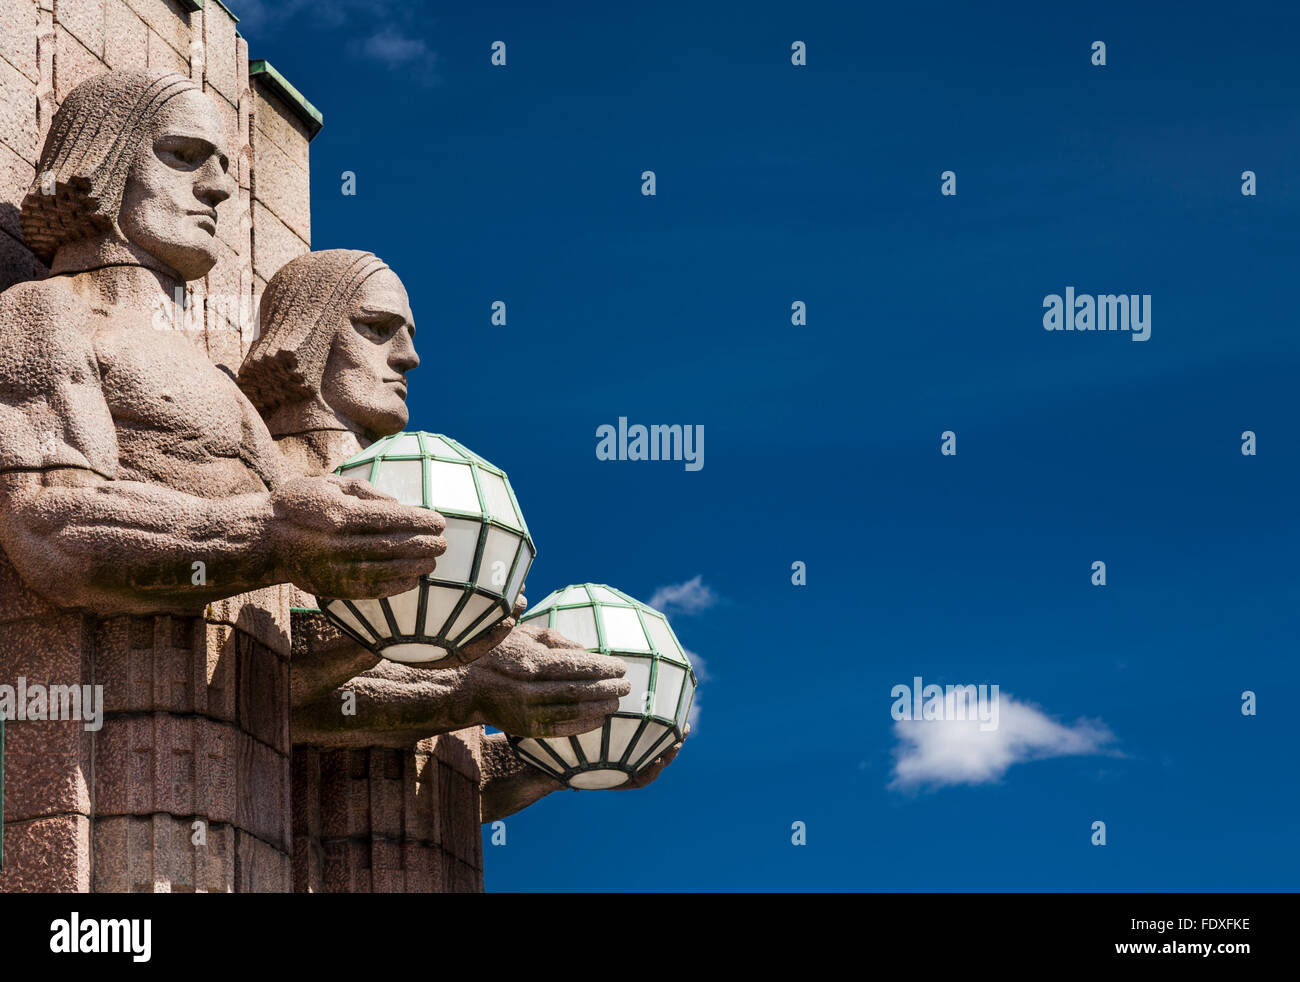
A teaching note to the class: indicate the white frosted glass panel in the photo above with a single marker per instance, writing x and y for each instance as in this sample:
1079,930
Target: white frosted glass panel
374,615
340,610
668,686
684,709
486,624
598,780
498,557
542,759
621,732
609,596
590,743
359,472
539,620
406,608
474,609
413,653
661,636
623,630
452,487
517,578
653,732
497,498
456,564
545,602
442,601
407,443
403,479
574,595
562,747
440,448
579,625
638,676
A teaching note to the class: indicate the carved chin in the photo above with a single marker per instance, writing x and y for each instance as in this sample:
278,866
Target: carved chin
195,262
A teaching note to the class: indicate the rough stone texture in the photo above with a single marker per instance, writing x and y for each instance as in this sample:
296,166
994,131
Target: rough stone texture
18,20
220,56
18,112
73,63
169,22
16,177
388,820
274,244
163,57
17,264
126,36
158,854
47,855
273,121
282,186
84,20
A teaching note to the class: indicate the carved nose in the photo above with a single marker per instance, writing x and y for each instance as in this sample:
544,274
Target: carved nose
213,191
404,357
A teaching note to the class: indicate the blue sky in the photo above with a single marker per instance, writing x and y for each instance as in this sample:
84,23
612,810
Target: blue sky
821,184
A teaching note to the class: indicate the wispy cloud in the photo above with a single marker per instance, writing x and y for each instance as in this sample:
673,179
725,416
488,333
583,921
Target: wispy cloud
934,753
701,676
690,597
697,663
382,31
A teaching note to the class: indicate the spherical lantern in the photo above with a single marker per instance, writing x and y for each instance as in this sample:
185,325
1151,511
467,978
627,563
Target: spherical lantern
476,580
650,718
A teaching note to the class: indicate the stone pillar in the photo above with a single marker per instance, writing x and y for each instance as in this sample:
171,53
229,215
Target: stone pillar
385,820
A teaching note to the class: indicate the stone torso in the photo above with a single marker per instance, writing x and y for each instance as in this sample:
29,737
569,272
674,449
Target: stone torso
180,420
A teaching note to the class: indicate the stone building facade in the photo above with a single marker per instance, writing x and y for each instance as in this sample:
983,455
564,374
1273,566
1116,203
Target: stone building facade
190,783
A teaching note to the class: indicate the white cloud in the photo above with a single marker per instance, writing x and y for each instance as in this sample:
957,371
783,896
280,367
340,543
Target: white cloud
690,597
394,49
949,751
698,663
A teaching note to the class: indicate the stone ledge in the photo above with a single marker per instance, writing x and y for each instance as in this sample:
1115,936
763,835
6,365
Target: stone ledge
263,71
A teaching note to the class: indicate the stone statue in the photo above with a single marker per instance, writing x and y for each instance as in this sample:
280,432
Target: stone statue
126,458
329,374
125,455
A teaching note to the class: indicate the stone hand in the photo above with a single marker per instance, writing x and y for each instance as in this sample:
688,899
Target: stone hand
337,537
538,683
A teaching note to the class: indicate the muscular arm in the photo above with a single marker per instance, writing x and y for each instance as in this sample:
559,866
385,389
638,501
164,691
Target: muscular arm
117,546
82,538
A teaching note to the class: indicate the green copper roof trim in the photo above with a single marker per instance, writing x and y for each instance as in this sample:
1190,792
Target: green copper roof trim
304,110
223,7
191,5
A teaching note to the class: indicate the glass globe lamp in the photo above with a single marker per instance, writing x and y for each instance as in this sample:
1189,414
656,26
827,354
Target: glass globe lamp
650,719
476,580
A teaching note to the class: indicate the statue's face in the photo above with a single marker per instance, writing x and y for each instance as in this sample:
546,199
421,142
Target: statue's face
169,207
365,377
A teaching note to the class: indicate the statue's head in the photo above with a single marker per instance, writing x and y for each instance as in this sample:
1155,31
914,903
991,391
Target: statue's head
336,332
136,157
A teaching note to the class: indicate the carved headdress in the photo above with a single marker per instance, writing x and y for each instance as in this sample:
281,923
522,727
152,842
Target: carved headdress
301,311
93,142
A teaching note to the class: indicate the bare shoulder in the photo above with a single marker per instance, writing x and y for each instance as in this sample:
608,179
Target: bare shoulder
42,329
